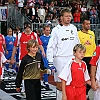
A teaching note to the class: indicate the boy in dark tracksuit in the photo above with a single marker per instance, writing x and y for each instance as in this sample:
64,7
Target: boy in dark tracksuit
29,70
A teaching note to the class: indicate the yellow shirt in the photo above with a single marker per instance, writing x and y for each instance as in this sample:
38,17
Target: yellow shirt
88,40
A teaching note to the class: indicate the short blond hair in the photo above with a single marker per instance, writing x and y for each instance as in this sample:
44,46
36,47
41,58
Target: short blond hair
79,46
64,11
30,44
8,29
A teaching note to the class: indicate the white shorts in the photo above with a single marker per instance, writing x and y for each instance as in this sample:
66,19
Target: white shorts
59,63
97,93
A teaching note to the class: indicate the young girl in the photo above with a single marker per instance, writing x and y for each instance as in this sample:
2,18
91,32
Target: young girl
29,70
74,76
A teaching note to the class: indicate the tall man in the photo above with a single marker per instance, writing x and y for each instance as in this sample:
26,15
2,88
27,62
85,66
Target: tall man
60,47
87,38
22,40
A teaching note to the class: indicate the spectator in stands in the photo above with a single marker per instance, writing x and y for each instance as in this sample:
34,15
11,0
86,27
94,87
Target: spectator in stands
20,4
55,21
83,9
51,7
33,19
32,11
41,13
24,10
76,16
93,15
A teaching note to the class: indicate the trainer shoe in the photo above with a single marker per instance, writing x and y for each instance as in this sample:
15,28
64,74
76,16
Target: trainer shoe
23,94
48,88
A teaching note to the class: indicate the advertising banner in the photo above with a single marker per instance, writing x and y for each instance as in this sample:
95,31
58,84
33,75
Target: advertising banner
3,13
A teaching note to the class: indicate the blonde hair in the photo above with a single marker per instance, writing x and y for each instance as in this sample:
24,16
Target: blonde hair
8,29
30,44
79,46
64,11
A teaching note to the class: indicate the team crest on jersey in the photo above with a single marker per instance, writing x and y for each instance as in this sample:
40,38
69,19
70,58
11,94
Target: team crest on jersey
38,65
94,54
72,32
90,36
31,36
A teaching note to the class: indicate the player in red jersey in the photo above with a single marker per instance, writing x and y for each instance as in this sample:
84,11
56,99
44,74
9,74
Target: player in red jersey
2,49
2,43
95,73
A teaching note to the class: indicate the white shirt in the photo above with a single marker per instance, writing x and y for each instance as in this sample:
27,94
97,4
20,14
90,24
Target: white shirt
42,12
33,11
62,42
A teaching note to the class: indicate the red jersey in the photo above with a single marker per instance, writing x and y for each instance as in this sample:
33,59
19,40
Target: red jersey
77,72
96,57
2,42
22,40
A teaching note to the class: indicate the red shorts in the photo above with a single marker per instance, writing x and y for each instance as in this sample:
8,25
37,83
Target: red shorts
0,71
75,93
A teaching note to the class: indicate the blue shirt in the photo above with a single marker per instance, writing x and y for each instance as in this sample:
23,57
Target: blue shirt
9,42
45,40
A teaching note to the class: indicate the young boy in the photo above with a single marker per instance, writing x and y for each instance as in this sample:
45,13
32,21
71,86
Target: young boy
74,76
29,70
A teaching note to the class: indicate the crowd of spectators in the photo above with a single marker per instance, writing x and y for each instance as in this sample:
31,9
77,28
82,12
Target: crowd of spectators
48,11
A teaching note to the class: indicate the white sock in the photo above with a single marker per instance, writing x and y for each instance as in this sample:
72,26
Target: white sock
23,88
2,73
58,95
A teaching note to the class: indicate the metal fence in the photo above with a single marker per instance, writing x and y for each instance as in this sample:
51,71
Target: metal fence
15,18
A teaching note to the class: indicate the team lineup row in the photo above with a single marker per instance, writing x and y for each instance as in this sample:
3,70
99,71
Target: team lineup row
71,56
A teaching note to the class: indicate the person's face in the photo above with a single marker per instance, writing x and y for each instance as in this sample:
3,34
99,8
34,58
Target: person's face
10,32
27,28
86,25
66,18
47,31
33,49
79,54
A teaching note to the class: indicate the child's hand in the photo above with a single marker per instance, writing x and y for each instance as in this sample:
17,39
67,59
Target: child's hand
94,86
8,61
64,97
18,89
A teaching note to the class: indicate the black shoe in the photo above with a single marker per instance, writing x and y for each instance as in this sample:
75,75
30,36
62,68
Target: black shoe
48,88
88,98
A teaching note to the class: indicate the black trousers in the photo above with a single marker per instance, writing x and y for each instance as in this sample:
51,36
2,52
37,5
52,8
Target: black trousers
33,89
87,61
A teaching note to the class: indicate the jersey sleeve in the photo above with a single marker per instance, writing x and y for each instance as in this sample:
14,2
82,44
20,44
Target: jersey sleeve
95,56
3,58
39,41
3,39
51,46
20,74
17,41
86,74
66,72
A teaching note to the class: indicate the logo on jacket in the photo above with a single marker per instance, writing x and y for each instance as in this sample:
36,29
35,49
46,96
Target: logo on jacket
64,39
72,32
